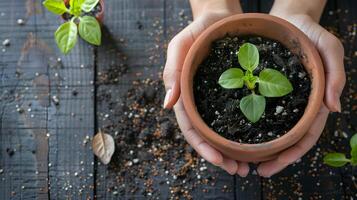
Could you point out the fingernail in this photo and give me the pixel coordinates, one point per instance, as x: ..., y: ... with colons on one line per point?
x: 338, y: 105
x: 262, y: 174
x: 167, y: 98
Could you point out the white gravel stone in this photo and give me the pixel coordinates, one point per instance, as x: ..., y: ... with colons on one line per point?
x: 6, y: 42
x: 279, y: 109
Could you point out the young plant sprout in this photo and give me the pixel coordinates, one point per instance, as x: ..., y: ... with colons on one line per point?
x: 271, y: 82
x: 88, y: 26
x: 339, y: 159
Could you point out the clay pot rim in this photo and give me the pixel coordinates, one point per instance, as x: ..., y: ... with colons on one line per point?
x: 311, y: 110
x: 99, y: 16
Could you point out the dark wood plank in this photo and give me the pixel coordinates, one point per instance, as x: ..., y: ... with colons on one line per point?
x: 250, y: 6
x: 346, y: 124
x: 23, y: 149
x: 132, y: 31
x: 71, y: 120
x: 265, y: 5
x: 47, y: 138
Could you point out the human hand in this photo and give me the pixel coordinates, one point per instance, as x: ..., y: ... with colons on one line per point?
x: 178, y: 48
x: 332, y: 54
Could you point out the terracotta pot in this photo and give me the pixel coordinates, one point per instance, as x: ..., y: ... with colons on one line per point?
x: 99, y: 16
x: 269, y: 27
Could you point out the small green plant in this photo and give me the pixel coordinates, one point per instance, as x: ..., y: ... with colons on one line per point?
x: 271, y: 82
x: 88, y: 27
x: 340, y: 159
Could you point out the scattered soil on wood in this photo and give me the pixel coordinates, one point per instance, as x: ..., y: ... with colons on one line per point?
x: 152, y: 157
x: 219, y: 107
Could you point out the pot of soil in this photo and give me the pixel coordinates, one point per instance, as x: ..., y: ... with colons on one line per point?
x: 97, y: 11
x: 221, y: 116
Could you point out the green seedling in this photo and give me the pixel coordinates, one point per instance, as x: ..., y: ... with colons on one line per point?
x: 87, y: 26
x: 271, y: 82
x: 340, y: 159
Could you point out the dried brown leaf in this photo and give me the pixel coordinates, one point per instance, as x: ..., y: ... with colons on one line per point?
x: 103, y: 146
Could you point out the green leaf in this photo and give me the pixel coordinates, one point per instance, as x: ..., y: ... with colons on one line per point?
x: 272, y: 83
x: 248, y: 56
x: 88, y: 5
x: 89, y: 30
x: 75, y: 7
x: 354, y: 156
x: 353, y: 144
x: 335, y: 159
x: 353, y: 141
x: 253, y: 107
x: 231, y: 78
x: 55, y: 6
x: 66, y: 36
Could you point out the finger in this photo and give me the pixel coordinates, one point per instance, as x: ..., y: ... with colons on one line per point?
x: 194, y: 139
x: 269, y: 168
x: 176, y: 54
x: 332, y: 54
x: 230, y: 166
x: 243, y: 169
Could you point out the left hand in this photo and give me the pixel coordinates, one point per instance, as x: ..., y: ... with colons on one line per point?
x: 332, y: 54
x: 176, y: 53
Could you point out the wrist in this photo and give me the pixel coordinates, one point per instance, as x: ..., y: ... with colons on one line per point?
x: 200, y: 7
x: 287, y: 8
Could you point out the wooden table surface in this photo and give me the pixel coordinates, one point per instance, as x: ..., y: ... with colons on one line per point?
x: 45, y: 149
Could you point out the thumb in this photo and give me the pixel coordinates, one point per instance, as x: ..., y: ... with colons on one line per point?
x: 332, y: 54
x: 176, y: 54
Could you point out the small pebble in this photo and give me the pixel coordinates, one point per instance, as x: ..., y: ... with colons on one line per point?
x: 55, y: 100
x: 20, y: 22
x: 279, y: 109
x: 135, y: 160
x: 6, y: 42
x: 301, y: 74
x: 129, y: 163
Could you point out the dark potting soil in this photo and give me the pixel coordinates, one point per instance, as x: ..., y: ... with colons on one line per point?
x: 97, y: 9
x: 219, y: 107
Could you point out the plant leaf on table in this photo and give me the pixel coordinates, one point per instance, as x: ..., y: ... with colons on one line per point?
x: 103, y: 146
x: 66, y: 36
x: 336, y: 159
x: 88, y: 5
x: 353, y: 144
x: 89, y: 30
x: 354, y: 156
x: 353, y: 141
x: 252, y: 106
x: 231, y: 78
x: 55, y: 6
x: 272, y: 83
